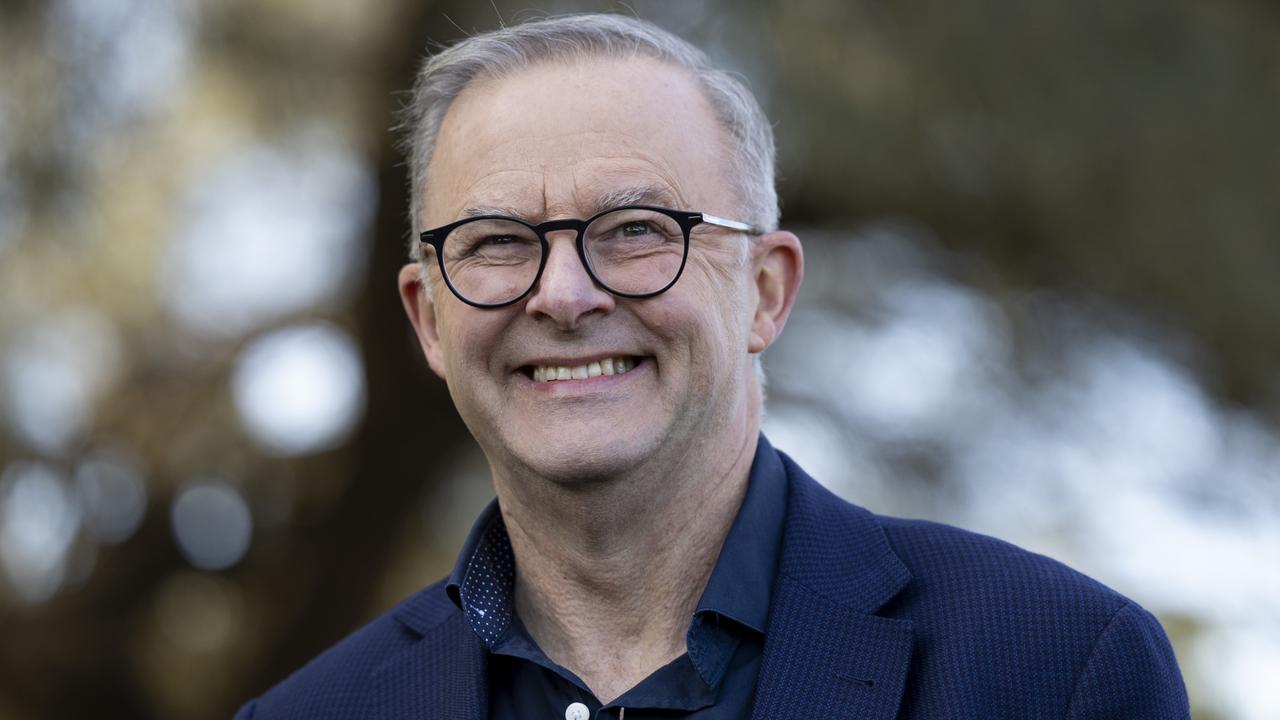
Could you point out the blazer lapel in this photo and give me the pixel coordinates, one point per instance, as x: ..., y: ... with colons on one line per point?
x: 827, y: 660
x: 826, y: 653
x: 442, y: 676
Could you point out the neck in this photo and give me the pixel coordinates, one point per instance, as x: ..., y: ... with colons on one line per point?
x: 608, y: 574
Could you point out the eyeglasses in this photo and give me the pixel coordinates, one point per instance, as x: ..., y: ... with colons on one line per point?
x: 636, y: 251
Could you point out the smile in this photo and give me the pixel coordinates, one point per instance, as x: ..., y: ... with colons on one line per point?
x: 607, y: 366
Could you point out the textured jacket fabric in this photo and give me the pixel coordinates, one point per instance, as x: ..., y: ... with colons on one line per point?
x: 872, y: 617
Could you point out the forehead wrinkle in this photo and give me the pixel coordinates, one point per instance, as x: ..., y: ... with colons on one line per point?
x: 495, y: 193
x: 617, y: 184
x: 595, y: 184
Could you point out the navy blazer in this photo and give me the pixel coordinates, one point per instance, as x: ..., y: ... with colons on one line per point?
x: 871, y: 617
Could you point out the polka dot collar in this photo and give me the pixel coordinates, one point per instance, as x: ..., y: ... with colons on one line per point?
x: 483, y: 580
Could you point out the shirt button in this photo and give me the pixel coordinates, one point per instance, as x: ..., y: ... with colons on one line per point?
x: 576, y: 711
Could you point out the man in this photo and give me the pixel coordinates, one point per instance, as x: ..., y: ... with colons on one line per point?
x: 597, y: 271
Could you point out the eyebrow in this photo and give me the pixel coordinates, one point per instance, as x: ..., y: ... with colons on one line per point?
x: 505, y: 211
x: 633, y: 195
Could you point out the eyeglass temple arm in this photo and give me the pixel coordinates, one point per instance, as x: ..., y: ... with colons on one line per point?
x: 731, y: 224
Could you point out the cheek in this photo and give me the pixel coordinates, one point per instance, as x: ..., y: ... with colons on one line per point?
x: 463, y: 340
x: 708, y: 324
x: 724, y: 307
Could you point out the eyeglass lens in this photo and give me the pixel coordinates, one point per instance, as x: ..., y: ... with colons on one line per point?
x: 631, y: 251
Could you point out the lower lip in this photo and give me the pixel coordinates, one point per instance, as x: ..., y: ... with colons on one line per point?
x: 599, y: 382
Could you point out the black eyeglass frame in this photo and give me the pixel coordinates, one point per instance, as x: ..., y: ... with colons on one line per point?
x: 687, y: 220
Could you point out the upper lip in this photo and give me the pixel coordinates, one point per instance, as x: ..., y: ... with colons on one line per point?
x: 565, y: 361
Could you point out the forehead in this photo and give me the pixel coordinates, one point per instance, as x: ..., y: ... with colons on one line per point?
x: 556, y: 138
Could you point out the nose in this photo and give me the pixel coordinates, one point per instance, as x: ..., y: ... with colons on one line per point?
x: 566, y: 293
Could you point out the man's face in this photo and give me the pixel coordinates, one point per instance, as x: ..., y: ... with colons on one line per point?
x: 563, y: 140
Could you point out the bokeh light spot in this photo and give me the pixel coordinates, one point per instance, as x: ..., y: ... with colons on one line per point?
x: 270, y: 231
x: 38, y: 522
x: 196, y: 612
x: 54, y: 372
x: 301, y: 389
x: 212, y: 524
x: 113, y: 496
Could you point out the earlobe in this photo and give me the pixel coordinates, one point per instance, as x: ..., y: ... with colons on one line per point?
x: 421, y: 309
x: 778, y: 270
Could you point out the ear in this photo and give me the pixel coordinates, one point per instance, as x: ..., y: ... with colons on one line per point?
x: 421, y: 309
x: 778, y: 269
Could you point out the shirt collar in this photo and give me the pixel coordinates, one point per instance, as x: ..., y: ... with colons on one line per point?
x: 741, y: 584
x: 740, y: 587
x: 484, y: 577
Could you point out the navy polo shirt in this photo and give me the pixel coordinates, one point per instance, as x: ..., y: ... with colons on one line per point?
x: 714, y: 680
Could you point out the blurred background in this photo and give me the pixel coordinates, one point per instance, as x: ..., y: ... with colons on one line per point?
x: 1043, y: 245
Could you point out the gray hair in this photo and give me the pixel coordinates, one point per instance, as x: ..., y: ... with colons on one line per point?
x: 570, y: 37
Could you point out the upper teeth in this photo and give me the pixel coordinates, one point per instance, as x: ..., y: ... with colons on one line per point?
x: 608, y: 366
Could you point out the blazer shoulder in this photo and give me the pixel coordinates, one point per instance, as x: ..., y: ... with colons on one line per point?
x: 968, y: 567
x: 929, y: 572
x: 338, y: 682
x: 1001, y: 628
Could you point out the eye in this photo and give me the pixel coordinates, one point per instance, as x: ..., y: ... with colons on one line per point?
x: 504, y: 248
x: 636, y: 228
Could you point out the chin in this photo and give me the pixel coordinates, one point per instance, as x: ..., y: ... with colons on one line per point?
x: 585, y: 460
